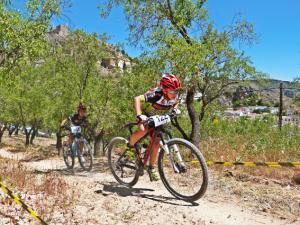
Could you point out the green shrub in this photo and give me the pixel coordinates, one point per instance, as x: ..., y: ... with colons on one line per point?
x: 248, y: 139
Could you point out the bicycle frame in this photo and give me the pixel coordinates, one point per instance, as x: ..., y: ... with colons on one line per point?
x: 158, y: 132
x: 75, y: 144
x: 155, y: 132
x: 152, y: 132
x: 78, y: 143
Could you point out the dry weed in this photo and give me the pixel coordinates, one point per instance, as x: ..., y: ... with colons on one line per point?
x: 46, y: 193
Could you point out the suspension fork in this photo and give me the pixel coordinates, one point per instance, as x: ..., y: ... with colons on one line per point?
x: 176, y: 150
x: 165, y: 147
x: 178, y: 156
x: 80, y: 144
x: 74, y: 148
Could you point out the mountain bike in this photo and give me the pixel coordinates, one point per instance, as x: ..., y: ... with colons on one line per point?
x: 181, y: 165
x: 79, y: 148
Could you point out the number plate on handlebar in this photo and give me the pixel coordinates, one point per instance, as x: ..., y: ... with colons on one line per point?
x: 160, y: 120
x: 75, y: 129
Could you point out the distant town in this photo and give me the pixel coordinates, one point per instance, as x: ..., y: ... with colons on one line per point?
x: 255, y: 112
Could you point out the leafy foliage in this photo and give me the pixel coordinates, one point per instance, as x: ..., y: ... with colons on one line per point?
x: 181, y: 37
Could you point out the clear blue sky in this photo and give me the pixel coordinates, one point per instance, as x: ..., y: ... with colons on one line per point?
x: 277, y: 24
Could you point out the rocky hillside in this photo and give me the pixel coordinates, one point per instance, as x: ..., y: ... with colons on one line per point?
x: 260, y: 92
x: 117, y: 59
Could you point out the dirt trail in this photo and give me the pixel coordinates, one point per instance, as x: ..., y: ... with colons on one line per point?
x: 103, y: 201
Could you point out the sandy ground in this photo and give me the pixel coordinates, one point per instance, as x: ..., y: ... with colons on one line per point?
x: 103, y: 201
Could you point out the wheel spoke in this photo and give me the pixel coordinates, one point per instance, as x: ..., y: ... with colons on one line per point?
x: 122, y: 162
x: 85, y: 156
x: 68, y: 158
x: 183, y: 172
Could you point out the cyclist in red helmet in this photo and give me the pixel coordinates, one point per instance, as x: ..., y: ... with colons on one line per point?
x: 155, y: 101
x: 78, y: 119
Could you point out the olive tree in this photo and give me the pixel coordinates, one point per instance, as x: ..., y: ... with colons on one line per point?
x: 180, y: 36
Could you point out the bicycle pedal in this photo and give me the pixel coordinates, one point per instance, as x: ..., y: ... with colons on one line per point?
x: 141, y: 171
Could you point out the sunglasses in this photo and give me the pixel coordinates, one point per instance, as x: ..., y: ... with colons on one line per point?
x: 173, y: 92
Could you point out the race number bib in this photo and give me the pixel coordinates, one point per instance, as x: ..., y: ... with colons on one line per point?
x: 160, y: 120
x: 75, y: 129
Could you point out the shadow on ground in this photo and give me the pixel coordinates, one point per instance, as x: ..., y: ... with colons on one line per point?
x: 142, y: 193
x: 99, y: 166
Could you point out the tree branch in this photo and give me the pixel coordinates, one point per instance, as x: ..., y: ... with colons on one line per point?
x: 177, y: 125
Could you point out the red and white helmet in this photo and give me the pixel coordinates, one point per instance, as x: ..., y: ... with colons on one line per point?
x: 170, y: 82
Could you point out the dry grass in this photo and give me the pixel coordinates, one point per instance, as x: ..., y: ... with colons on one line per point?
x: 219, y: 149
x: 46, y: 193
x: 44, y: 149
x: 222, y: 149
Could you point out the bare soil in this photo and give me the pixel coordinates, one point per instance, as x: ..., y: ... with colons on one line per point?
x: 233, y: 196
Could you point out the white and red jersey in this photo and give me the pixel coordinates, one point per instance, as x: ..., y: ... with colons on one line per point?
x: 153, y: 102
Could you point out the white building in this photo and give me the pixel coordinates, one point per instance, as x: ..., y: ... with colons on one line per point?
x: 292, y: 119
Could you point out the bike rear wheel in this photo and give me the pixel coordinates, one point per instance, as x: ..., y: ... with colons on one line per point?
x: 68, y: 156
x: 190, y: 181
x: 122, y: 162
x: 85, y: 156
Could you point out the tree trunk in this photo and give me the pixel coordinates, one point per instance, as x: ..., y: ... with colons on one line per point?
x: 59, y: 142
x: 27, y: 139
x: 99, y: 144
x: 11, y: 131
x: 195, y: 133
x: 27, y: 136
x: 179, y: 128
x: 2, y: 129
x: 1, y: 135
x: 17, y: 130
x: 202, y: 112
x: 33, y: 134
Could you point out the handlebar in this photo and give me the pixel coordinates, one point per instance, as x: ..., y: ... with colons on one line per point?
x: 152, y: 121
x: 158, y: 120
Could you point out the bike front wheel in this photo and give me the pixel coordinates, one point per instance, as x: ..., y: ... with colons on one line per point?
x: 184, y: 171
x: 85, y: 156
x: 68, y: 156
x: 122, y: 162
